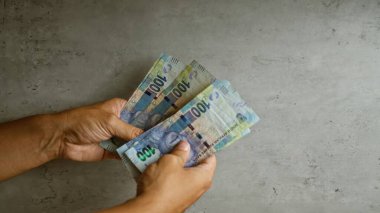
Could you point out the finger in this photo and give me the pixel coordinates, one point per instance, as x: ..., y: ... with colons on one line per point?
x: 110, y: 155
x: 93, y: 152
x: 208, y: 164
x: 84, y: 152
x: 204, y: 172
x: 123, y: 130
x: 114, y: 105
x: 182, y: 151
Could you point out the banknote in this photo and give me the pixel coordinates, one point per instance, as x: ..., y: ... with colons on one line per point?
x: 230, y: 139
x: 215, y: 113
x: 161, y: 75
x: 191, y: 81
x: 224, y: 142
x: 164, y: 70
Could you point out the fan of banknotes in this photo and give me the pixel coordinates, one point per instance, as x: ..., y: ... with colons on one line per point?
x: 176, y: 102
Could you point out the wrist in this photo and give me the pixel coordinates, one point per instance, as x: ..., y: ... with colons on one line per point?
x: 52, y: 127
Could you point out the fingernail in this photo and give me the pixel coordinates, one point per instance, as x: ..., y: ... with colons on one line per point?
x: 184, y: 146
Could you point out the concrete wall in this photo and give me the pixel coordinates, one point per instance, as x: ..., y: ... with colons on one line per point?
x: 310, y: 69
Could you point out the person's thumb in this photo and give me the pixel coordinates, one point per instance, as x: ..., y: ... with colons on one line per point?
x: 123, y: 130
x: 182, y: 151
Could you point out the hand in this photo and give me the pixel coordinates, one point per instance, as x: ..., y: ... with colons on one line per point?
x: 167, y: 180
x: 168, y: 187
x: 73, y: 134
x: 83, y: 128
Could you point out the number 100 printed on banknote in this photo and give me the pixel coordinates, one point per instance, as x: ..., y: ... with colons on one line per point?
x: 217, y: 115
x: 177, y: 102
x: 164, y: 70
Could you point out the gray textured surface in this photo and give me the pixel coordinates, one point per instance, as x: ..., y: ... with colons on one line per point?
x: 310, y: 69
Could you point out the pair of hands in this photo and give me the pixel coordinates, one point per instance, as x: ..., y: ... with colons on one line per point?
x: 162, y: 183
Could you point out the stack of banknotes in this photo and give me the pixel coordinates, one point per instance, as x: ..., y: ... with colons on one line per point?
x: 176, y: 102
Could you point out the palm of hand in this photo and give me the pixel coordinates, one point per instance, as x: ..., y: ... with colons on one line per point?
x: 87, y: 126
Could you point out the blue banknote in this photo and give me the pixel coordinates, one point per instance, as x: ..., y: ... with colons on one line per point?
x: 217, y: 114
x: 164, y: 70
x: 190, y: 82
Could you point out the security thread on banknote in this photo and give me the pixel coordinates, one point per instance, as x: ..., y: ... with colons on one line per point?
x: 217, y: 115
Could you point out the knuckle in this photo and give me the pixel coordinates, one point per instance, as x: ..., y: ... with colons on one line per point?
x: 169, y: 159
x: 147, y: 176
x: 207, y: 186
x: 207, y: 183
x: 112, y: 100
x: 110, y: 118
x: 136, y: 131
x: 110, y: 122
x: 150, y: 170
x: 115, y: 99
